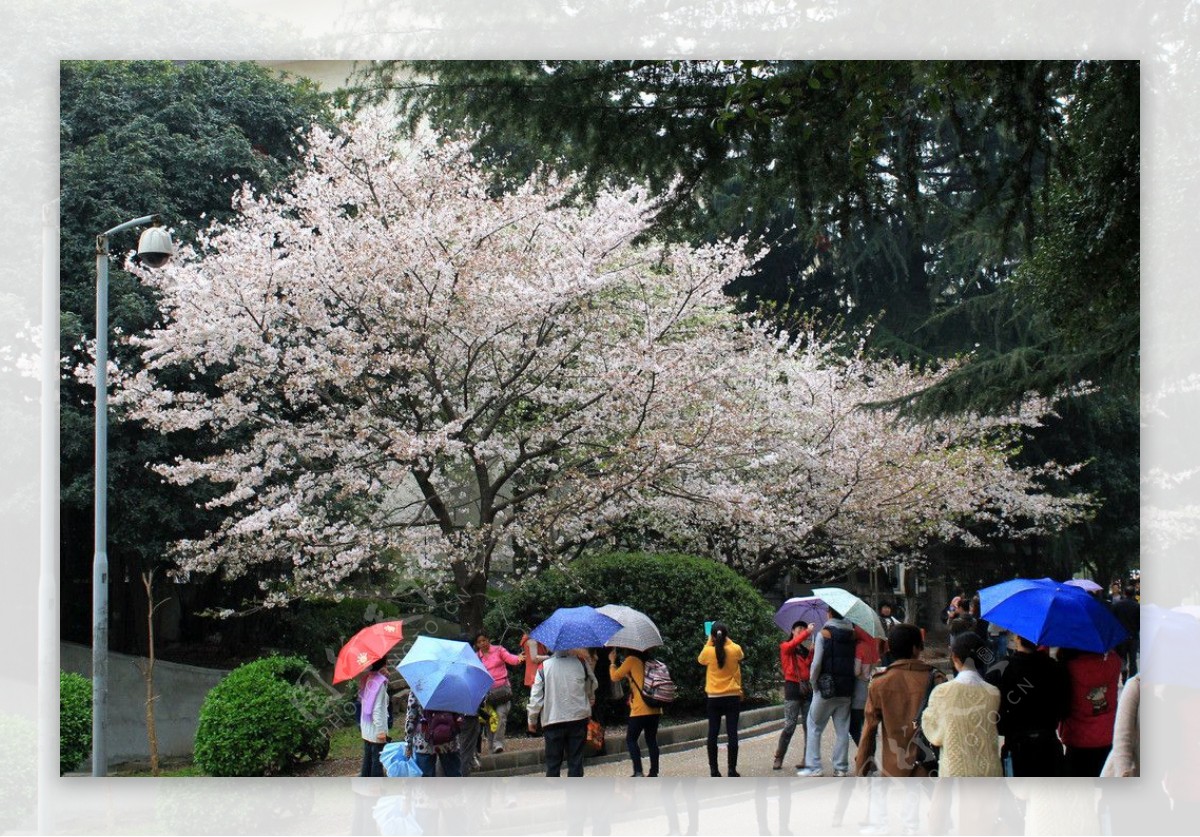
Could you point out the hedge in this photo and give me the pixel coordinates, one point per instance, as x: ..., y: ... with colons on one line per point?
x: 261, y: 720
x: 679, y: 592
x: 74, y: 720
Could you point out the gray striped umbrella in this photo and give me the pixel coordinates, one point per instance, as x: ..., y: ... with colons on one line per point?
x: 638, y: 630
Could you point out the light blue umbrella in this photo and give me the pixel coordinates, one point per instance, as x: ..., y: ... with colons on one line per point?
x: 1060, y: 615
x: 853, y: 608
x: 445, y: 675
x: 810, y: 609
x: 575, y: 627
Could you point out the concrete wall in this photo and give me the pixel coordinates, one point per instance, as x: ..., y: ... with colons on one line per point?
x: 181, y: 691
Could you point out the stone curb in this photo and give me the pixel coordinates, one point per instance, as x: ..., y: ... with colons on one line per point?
x: 670, y: 740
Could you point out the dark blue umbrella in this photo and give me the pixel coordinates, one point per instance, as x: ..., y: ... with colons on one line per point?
x: 575, y: 627
x: 446, y: 675
x: 1053, y: 614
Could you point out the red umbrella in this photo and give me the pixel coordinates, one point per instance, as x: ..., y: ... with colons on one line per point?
x: 365, y: 647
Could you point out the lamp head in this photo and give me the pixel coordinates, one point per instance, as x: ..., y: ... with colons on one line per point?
x: 155, y: 247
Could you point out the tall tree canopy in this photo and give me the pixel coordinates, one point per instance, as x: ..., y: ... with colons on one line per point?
x: 892, y: 192
x: 407, y: 372
x: 139, y: 137
x: 984, y: 209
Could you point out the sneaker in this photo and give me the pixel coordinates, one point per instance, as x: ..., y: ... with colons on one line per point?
x: 778, y: 763
x: 499, y: 748
x: 841, y: 773
x: 808, y: 771
x: 874, y: 829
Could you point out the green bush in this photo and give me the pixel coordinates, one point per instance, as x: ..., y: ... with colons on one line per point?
x: 74, y: 720
x: 679, y: 592
x: 262, y: 719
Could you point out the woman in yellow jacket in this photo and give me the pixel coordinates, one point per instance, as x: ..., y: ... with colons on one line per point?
x: 642, y: 718
x: 723, y: 685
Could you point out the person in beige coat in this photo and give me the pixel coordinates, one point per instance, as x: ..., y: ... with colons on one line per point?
x: 961, y: 715
x: 1125, y: 757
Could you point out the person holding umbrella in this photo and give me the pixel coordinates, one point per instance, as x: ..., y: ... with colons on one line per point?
x: 373, y: 719
x: 364, y: 657
x: 561, y: 703
x: 833, y: 674
x: 432, y: 736
x: 794, y: 656
x: 643, y: 719
x: 1034, y: 699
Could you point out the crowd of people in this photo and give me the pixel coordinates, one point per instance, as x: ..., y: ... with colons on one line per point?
x: 1008, y: 708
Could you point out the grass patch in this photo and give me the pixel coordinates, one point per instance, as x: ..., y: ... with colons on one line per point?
x: 346, y: 743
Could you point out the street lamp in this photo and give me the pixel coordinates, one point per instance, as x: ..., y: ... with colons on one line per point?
x: 154, y: 250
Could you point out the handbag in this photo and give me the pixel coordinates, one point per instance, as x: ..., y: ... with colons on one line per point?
x: 498, y: 695
x: 826, y: 687
x: 920, y: 753
x: 594, y: 743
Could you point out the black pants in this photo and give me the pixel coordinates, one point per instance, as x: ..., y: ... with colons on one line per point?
x: 566, y: 739
x: 728, y: 707
x: 857, y: 718
x: 1086, y: 761
x: 1037, y: 755
x: 637, y: 725
x: 371, y: 765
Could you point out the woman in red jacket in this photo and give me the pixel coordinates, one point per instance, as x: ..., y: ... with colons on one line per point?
x: 794, y: 655
x: 1087, y: 731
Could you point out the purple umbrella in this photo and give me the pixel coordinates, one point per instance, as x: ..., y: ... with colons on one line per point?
x: 1084, y: 584
x: 810, y: 609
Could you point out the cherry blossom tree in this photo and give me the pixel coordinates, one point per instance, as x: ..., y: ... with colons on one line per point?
x: 408, y: 372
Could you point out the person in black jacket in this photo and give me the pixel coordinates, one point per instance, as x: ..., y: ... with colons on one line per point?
x: 1129, y: 614
x: 1035, y: 695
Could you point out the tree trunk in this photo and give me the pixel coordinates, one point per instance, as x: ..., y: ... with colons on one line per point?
x: 148, y: 672
x: 472, y: 590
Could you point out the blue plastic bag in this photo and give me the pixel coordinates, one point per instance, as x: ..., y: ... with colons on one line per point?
x: 394, y: 762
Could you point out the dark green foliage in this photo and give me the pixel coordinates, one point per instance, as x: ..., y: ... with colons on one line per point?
x: 915, y: 184
x: 138, y: 137
x: 679, y: 592
x: 74, y: 720
x: 316, y: 630
x: 262, y: 719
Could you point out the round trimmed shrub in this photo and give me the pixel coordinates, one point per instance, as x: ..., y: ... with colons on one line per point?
x: 262, y: 719
x: 74, y: 720
x: 679, y: 592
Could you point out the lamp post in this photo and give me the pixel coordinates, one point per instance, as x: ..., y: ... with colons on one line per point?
x: 155, y: 248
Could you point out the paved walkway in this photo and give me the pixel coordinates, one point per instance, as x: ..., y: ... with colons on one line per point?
x: 756, y: 752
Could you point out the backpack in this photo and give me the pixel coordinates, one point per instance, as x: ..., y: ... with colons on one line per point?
x: 658, y: 690
x: 439, y: 727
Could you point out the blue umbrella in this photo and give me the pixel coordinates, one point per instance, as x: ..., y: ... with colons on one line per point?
x: 810, y: 609
x: 575, y: 627
x: 1052, y: 614
x: 446, y: 675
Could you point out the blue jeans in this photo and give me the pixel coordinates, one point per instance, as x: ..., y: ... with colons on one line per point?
x: 371, y: 765
x: 819, y: 714
x: 639, y: 724
x: 451, y: 763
